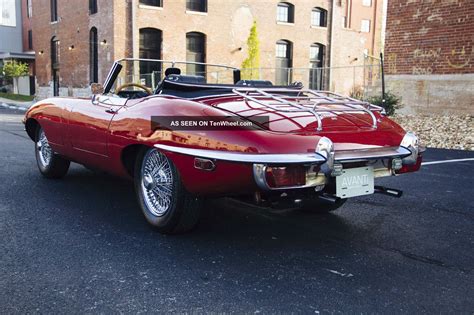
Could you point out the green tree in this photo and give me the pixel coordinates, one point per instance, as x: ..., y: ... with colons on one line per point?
x: 250, y: 66
x: 15, y: 69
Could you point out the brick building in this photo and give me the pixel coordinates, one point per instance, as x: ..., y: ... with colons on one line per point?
x: 77, y: 43
x: 429, y: 53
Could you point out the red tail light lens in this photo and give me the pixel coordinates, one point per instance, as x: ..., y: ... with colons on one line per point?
x: 285, y: 176
x: 411, y: 168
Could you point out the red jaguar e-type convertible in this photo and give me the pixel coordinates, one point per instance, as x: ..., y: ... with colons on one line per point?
x: 182, y: 138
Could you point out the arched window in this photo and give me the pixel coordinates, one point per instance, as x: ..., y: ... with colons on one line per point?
x: 150, y: 48
x: 93, y: 56
x: 285, y: 12
x: 284, y: 62
x: 316, y: 59
x: 92, y: 6
x: 154, y: 3
x: 196, y: 5
x: 319, y: 17
x: 55, y: 53
x: 196, y: 52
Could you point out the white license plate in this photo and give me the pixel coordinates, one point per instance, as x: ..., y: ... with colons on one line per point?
x: 355, y: 182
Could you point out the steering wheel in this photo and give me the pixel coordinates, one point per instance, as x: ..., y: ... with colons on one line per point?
x: 126, y: 85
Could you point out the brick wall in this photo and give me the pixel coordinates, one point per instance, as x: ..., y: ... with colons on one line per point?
x: 430, y: 37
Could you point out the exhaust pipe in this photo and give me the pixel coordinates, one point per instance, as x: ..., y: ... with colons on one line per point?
x: 329, y: 198
x: 388, y: 191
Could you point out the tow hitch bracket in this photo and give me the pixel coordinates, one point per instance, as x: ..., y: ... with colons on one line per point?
x: 388, y: 191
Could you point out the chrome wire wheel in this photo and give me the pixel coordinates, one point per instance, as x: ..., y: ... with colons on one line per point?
x: 44, y: 150
x: 156, y: 182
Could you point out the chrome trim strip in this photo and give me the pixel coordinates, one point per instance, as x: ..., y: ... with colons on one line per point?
x: 246, y: 157
x: 371, y: 154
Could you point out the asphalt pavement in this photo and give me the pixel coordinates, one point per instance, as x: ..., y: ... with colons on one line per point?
x: 81, y: 245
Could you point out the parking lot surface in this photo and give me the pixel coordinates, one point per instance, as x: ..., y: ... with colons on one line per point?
x: 80, y: 244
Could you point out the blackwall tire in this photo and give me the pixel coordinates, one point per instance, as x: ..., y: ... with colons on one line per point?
x: 49, y: 163
x: 165, y: 203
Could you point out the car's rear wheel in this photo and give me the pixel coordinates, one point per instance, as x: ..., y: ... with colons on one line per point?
x: 50, y: 164
x: 165, y: 203
x: 319, y: 206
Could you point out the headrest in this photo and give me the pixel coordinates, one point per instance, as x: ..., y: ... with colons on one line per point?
x: 186, y: 78
x: 254, y: 83
x: 169, y: 71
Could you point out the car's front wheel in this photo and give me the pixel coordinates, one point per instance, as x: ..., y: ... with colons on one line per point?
x: 49, y: 163
x: 165, y: 203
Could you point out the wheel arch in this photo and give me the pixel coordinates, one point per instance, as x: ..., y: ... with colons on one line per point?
x: 31, y: 125
x: 129, y: 157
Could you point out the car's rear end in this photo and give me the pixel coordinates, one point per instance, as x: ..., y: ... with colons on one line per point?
x: 315, y: 144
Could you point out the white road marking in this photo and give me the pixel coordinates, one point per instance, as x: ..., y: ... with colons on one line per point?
x: 347, y: 275
x: 447, y: 161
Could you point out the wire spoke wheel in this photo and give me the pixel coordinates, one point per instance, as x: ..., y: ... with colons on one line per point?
x: 157, y: 182
x: 44, y: 150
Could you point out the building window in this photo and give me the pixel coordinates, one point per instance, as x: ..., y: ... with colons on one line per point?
x: 92, y: 6
x: 153, y: 3
x: 285, y: 12
x: 318, y: 17
x: 55, y: 52
x: 30, y: 39
x: 316, y: 60
x: 150, y: 48
x: 93, y: 56
x: 365, y: 26
x: 29, y: 10
x: 196, y: 5
x: 367, y: 3
x: 196, y: 52
x: 284, y: 62
x: 55, y: 56
x: 54, y: 10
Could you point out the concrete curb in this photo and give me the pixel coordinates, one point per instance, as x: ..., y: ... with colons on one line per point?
x: 6, y: 103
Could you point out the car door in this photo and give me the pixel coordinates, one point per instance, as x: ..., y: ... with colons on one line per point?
x: 89, y: 124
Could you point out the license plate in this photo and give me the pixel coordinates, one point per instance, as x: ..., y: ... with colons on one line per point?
x: 355, y: 182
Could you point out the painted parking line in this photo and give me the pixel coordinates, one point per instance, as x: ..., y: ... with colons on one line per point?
x: 447, y: 161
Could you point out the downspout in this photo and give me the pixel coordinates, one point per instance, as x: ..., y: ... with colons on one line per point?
x: 330, y: 41
x: 134, y: 28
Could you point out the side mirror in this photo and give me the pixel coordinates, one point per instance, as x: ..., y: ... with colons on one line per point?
x: 97, y: 88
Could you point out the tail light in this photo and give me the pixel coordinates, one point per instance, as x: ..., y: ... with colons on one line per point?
x: 285, y: 176
x: 411, y: 167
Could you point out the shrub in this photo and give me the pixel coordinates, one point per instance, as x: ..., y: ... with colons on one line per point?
x: 392, y: 102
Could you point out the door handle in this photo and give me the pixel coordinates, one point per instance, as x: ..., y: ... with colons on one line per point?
x: 111, y: 110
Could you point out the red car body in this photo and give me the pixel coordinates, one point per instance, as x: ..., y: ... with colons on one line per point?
x: 106, y: 133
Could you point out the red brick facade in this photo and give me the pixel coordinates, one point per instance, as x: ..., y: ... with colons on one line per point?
x: 430, y: 37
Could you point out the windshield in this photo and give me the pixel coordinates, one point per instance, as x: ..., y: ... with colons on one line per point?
x: 150, y: 73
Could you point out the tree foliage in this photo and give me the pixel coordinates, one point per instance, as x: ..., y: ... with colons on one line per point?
x: 15, y: 69
x: 250, y: 66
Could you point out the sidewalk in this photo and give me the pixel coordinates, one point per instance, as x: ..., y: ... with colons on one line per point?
x: 4, y: 102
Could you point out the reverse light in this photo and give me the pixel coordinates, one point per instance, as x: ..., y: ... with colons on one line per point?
x: 397, y: 164
x: 337, y: 170
x: 285, y: 176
